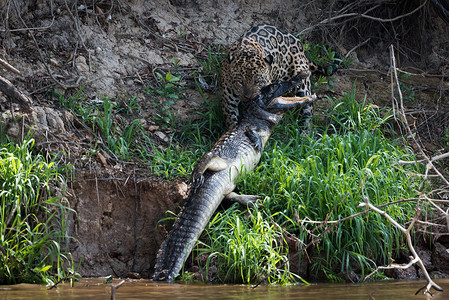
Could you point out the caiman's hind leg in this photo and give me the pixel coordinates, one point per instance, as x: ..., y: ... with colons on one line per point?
x: 246, y: 200
x: 210, y: 162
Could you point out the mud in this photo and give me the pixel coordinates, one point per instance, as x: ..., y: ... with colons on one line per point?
x: 116, y: 223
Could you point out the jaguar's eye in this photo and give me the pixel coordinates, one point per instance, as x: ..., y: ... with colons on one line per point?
x: 258, y: 81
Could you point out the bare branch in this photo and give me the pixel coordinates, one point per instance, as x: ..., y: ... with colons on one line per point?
x: 435, y: 158
x: 11, y: 91
x: 363, y: 15
x: 415, y: 258
x: 114, y: 289
x: 8, y: 67
x: 400, y: 107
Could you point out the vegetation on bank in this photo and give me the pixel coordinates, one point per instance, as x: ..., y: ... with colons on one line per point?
x: 33, y: 222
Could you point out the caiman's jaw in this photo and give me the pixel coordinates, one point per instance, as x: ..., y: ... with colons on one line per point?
x: 277, y: 89
x: 282, y: 104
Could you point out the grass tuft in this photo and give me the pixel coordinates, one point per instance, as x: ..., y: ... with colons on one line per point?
x: 246, y: 248
x: 32, y: 222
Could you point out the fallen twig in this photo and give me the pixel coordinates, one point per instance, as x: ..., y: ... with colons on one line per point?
x: 356, y: 47
x: 29, y: 28
x: 11, y: 91
x: 114, y: 288
x: 70, y: 276
x: 8, y: 67
x: 414, y: 258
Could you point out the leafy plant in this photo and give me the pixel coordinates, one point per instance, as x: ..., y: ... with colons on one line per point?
x: 129, y: 106
x: 33, y: 224
x: 326, y: 59
x: 406, y: 89
x: 247, y: 248
x: 348, y: 114
x: 169, y: 90
x: 78, y: 104
x: 211, y: 64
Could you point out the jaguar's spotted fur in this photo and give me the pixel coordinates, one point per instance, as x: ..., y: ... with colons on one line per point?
x: 263, y: 55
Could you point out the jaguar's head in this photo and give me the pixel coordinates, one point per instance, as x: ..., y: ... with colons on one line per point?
x: 250, y: 68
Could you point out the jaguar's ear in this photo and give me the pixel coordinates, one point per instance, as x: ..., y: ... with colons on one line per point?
x: 229, y: 57
x: 269, y: 59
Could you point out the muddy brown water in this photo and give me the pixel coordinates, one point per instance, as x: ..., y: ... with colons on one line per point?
x: 145, y: 289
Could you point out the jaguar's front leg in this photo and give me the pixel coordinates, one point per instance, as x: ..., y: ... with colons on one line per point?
x: 307, y: 110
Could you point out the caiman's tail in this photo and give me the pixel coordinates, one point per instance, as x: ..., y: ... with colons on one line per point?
x: 185, y: 232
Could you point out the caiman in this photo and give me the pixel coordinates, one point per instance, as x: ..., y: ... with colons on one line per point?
x: 214, y: 175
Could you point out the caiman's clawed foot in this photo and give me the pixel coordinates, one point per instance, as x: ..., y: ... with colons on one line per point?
x: 246, y: 200
x: 196, y: 181
x: 162, y: 275
x: 208, y: 162
x: 254, y: 137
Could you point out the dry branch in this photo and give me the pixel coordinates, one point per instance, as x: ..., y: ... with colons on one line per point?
x: 114, y: 289
x: 8, y: 67
x: 363, y: 15
x: 399, y: 106
x: 415, y: 258
x: 11, y: 91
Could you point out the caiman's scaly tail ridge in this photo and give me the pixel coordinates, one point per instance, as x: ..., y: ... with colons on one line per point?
x: 190, y: 223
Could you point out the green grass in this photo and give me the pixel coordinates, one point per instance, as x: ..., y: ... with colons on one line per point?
x: 33, y: 223
x: 320, y: 178
x: 246, y: 248
x: 125, y: 138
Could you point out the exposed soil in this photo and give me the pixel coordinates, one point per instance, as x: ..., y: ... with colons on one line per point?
x: 114, y: 48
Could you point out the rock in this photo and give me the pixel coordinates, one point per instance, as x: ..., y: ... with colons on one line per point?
x: 409, y: 273
x: 134, y: 275
x: 440, y: 257
x: 47, y: 119
x: 162, y: 136
x: 426, y: 257
x: 81, y: 64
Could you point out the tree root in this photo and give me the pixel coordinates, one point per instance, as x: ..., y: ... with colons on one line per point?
x: 12, y: 92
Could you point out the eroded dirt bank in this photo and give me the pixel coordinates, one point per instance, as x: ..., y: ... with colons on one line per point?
x: 116, y: 223
x: 110, y: 48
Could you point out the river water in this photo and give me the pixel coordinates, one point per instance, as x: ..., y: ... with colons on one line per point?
x: 145, y: 289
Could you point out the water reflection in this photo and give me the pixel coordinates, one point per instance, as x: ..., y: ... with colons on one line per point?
x: 145, y: 289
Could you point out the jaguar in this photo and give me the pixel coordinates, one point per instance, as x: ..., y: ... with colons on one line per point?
x: 263, y: 55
